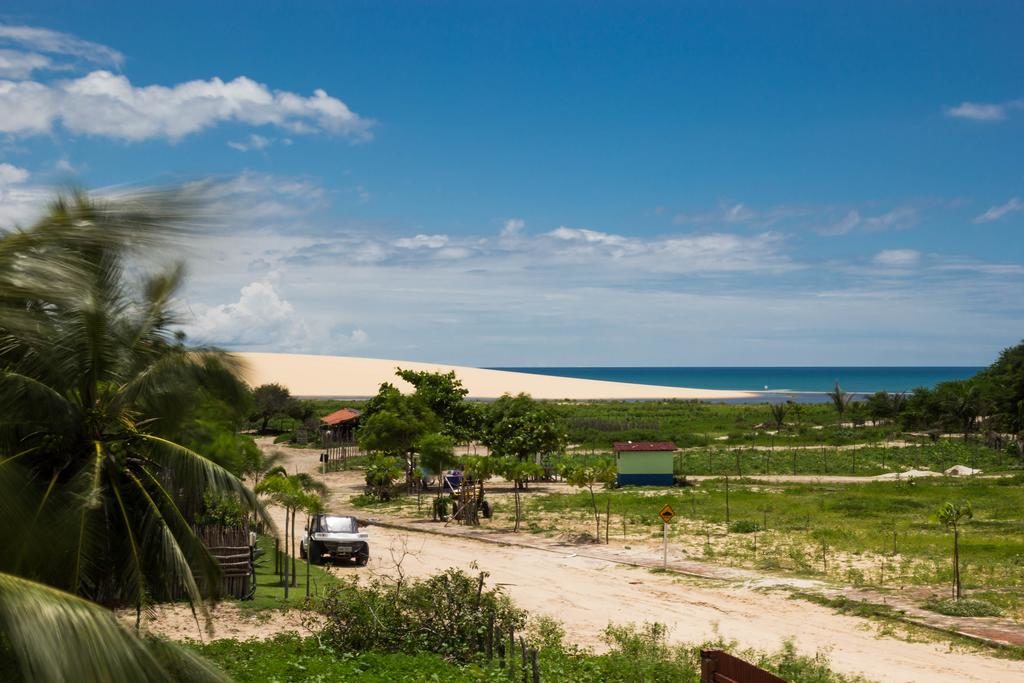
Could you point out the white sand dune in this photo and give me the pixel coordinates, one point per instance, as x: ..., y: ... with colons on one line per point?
x: 350, y: 377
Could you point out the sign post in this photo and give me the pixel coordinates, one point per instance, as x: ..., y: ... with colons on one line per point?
x: 666, y: 515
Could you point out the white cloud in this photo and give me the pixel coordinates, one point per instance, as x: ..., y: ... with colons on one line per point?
x: 897, y: 258
x: 587, y: 236
x: 844, y: 225
x: 545, y: 299
x: 263, y: 318
x: 725, y: 213
x: 422, y: 242
x: 54, y: 42
x: 12, y: 175
x: 512, y: 228
x: 253, y: 142
x: 109, y: 105
x: 896, y: 219
x: 984, y: 111
x: 997, y: 212
x: 65, y: 166
x: 15, y: 64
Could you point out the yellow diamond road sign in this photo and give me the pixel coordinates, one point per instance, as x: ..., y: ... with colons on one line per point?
x: 666, y: 514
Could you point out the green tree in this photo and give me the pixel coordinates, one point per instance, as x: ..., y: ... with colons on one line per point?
x: 93, y: 378
x: 95, y: 386
x: 840, y: 401
x: 270, y: 401
x: 520, y: 427
x: 381, y: 473
x: 55, y: 636
x: 518, y: 472
x: 395, y: 426
x: 778, y: 411
x: 444, y: 394
x: 437, y: 453
x: 295, y: 493
x: 588, y: 475
x: 953, y: 516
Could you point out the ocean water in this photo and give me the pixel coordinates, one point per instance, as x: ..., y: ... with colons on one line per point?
x: 793, y: 380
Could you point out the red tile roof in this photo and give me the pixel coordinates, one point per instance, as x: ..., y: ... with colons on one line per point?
x: 339, y: 416
x: 622, y: 446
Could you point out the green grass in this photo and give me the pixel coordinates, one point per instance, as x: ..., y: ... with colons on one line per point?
x: 636, y: 655
x: 288, y: 658
x: 867, y: 461
x: 862, y: 521
x: 968, y: 607
x: 270, y: 587
x: 693, y: 423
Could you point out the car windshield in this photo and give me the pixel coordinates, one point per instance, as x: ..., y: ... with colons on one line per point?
x: 338, y: 524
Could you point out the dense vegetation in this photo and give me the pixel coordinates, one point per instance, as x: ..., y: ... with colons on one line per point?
x: 434, y: 629
x: 106, y: 410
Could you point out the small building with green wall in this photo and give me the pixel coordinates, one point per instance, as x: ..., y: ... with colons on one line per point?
x: 644, y: 463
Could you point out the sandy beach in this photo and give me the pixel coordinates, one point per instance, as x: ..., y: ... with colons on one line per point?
x: 352, y: 377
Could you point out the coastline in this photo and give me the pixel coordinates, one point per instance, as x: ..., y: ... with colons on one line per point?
x: 354, y: 377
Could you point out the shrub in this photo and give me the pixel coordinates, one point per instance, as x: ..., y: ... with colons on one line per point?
x: 966, y: 607
x: 448, y: 614
x: 744, y: 526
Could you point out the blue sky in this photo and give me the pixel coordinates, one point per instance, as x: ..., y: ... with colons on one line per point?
x: 554, y: 183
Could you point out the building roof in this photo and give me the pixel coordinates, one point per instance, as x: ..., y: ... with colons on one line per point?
x: 339, y: 416
x: 625, y: 446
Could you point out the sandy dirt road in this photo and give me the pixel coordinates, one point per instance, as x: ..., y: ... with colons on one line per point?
x: 587, y: 594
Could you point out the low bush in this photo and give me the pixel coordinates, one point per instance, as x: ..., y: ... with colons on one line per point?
x: 965, y: 607
x: 448, y: 614
x: 744, y: 526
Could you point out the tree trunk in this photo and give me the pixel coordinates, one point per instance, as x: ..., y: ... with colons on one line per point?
x: 295, y: 580
x: 286, y: 578
x: 516, y: 491
x: 956, y: 563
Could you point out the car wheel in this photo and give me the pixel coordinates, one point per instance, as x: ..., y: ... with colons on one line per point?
x: 302, y: 550
x: 363, y: 557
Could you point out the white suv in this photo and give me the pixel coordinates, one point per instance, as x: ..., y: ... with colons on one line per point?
x: 337, y: 536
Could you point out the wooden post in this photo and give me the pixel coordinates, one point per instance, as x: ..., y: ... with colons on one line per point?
x: 534, y: 667
x: 500, y: 641
x: 727, y: 516
x: 490, y: 637
x: 512, y: 650
x: 607, y: 517
x: 522, y: 649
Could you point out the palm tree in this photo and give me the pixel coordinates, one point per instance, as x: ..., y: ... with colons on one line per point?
x: 952, y: 515
x: 294, y: 493
x: 778, y: 411
x: 95, y: 383
x: 56, y: 636
x: 840, y: 401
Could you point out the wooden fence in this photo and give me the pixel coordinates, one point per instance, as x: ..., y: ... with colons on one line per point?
x: 230, y: 547
x: 721, y: 667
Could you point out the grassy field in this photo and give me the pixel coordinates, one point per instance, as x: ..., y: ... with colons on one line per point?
x: 868, y: 460
x: 880, y: 534
x: 270, y: 587
x: 637, y: 654
x: 691, y: 423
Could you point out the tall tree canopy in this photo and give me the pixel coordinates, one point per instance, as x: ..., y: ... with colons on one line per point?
x: 96, y: 385
x: 522, y: 428
x: 444, y: 394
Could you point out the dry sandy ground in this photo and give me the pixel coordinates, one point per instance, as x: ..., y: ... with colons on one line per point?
x: 350, y: 377
x: 587, y: 594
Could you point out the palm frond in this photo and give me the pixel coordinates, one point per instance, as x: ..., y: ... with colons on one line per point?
x: 55, y: 636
